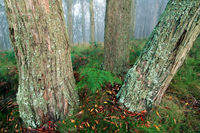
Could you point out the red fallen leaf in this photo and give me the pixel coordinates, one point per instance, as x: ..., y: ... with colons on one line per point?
x: 97, y: 121
x: 82, y: 123
x: 93, y: 127
x: 115, y: 108
x: 40, y: 129
x: 114, y: 117
x: 167, y: 108
x: 132, y: 114
x: 100, y: 108
x: 141, y: 118
x: 120, y: 124
x: 148, y: 124
x: 136, y: 131
x: 50, y: 122
x: 119, y: 108
x: 92, y: 110
x: 122, y: 117
x: 105, y: 128
x: 117, y: 130
x: 144, y: 111
x: 81, y: 127
x: 81, y: 112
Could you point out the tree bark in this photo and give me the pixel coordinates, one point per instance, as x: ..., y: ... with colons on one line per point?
x: 46, y: 82
x: 83, y: 20
x: 116, y: 52
x: 92, y: 26
x: 165, y: 51
x: 70, y: 20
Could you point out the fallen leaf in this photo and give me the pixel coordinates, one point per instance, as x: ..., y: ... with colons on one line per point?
x: 81, y: 112
x: 148, y: 124
x: 93, y: 127
x: 157, y: 127
x: 158, y: 114
x: 81, y: 127
x: 109, y: 92
x: 72, y: 121
x: 97, y: 122
x: 174, y: 120
x: 88, y: 124
x: 105, y: 128
x: 114, y: 117
x: 117, y: 130
x: 92, y: 110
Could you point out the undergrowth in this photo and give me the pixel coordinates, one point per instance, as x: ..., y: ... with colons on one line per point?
x: 99, y: 110
x: 92, y: 74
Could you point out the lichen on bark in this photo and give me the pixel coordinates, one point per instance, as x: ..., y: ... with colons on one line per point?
x: 39, y: 38
x: 165, y: 51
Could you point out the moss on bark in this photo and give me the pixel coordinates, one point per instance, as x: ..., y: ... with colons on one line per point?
x: 46, y: 83
x: 165, y: 51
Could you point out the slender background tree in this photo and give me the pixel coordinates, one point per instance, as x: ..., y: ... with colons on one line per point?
x: 70, y: 20
x: 83, y: 20
x: 92, y: 29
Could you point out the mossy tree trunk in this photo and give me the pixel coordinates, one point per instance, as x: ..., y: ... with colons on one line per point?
x: 92, y: 26
x: 117, y: 28
x: 70, y: 20
x: 46, y: 82
x: 164, y: 53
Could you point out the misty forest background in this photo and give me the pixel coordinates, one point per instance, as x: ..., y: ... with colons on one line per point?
x: 147, y: 16
x: 99, y: 111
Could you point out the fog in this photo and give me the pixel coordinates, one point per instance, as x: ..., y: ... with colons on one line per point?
x: 147, y: 15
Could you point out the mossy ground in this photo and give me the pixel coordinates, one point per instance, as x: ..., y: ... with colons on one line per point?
x: 179, y: 110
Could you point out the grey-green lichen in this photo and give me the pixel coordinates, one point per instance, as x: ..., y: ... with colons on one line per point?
x: 163, y: 54
x: 40, y: 42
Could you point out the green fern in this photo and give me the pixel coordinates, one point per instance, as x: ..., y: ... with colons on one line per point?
x: 95, y: 79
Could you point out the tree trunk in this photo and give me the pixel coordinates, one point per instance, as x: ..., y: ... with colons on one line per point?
x: 83, y: 20
x: 46, y: 83
x: 164, y: 53
x: 70, y: 20
x: 116, y: 52
x: 133, y: 19
x: 92, y: 28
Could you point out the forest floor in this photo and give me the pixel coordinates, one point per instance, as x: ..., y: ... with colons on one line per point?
x: 99, y: 110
